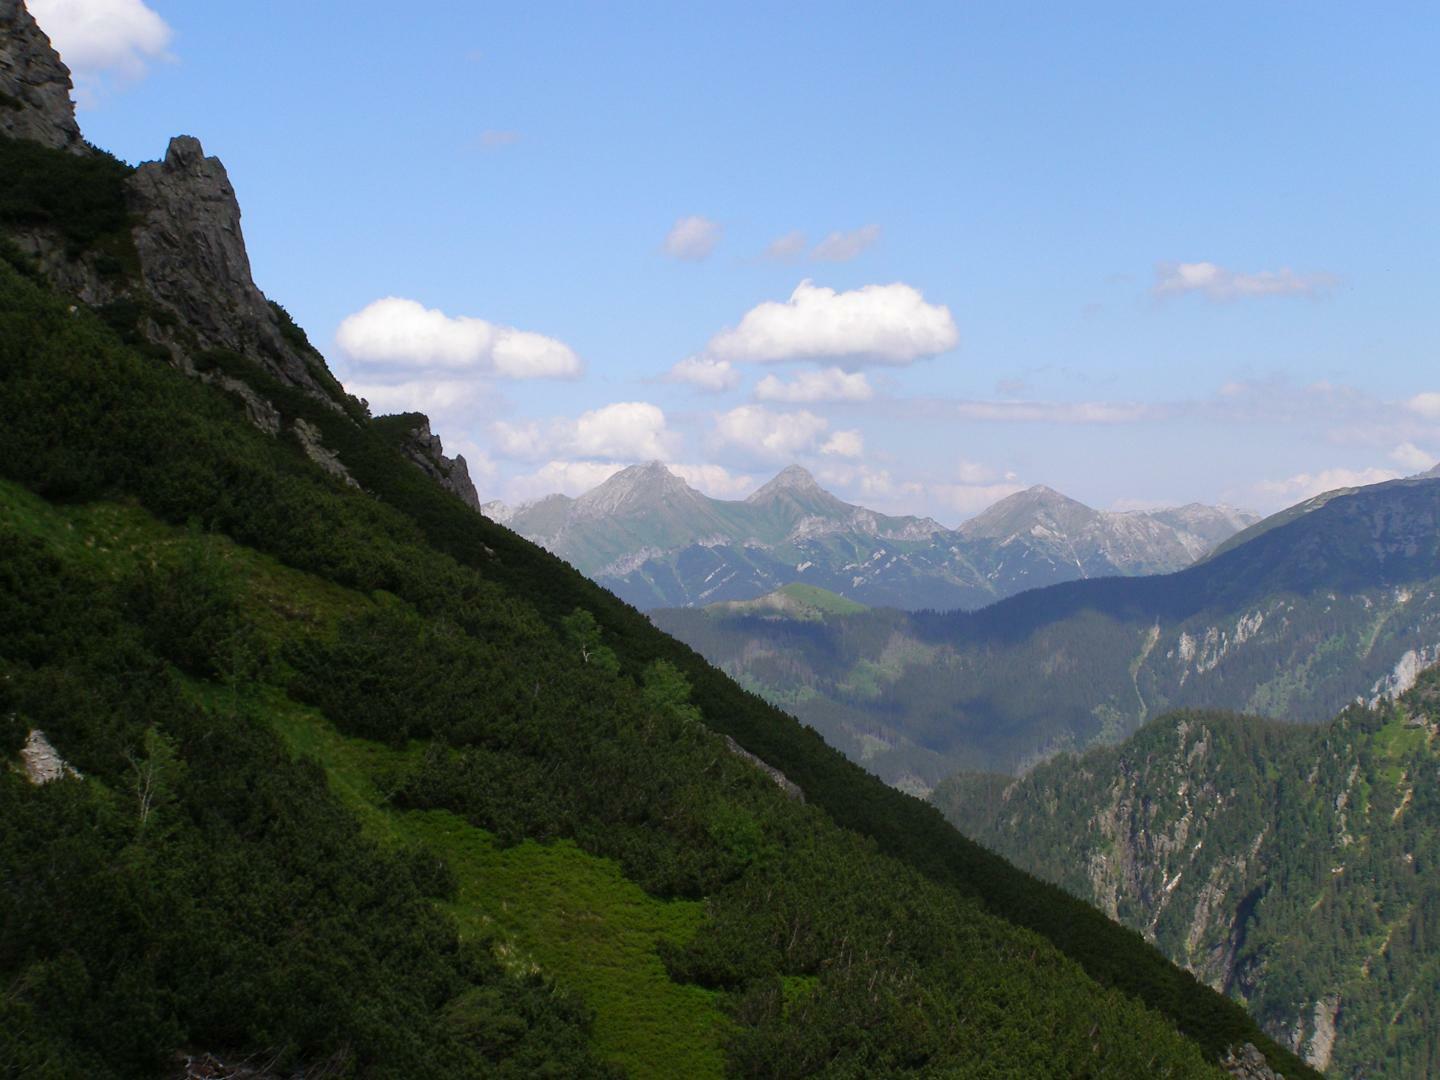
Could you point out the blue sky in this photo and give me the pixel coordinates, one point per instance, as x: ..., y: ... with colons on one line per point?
x: 1146, y: 254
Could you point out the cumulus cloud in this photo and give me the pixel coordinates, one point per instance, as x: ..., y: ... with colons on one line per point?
x: 847, y: 444
x: 103, y: 40
x: 715, y: 480
x: 844, y: 246
x: 1426, y: 405
x: 623, y: 431
x: 790, y: 246
x: 402, y: 333
x: 866, y: 482
x: 970, y: 499
x: 692, y: 238
x: 1409, y: 456
x: 1303, y: 486
x: 827, y: 384
x: 882, y: 324
x: 427, y: 396
x: 1217, y: 283
x: 706, y: 373
x: 760, y: 432
x: 560, y: 477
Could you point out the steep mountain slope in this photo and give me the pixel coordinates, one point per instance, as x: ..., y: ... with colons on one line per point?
x: 314, y: 768
x: 656, y: 542
x: 1320, y: 607
x: 1297, y: 869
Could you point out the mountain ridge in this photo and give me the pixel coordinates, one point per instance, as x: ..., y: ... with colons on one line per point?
x: 1314, y: 610
x: 1236, y: 843
x: 688, y: 549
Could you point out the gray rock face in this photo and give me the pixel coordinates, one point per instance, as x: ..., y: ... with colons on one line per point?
x: 34, y: 84
x: 1248, y: 1063
x: 193, y: 261
x: 42, y: 762
x: 425, y: 449
x: 783, y: 782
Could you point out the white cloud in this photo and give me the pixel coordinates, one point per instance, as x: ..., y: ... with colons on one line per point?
x: 760, y: 432
x: 623, y: 431
x: 103, y: 39
x: 1426, y: 405
x: 865, y: 482
x: 790, y: 246
x: 970, y: 499
x: 715, y: 480
x: 848, y: 444
x: 844, y: 246
x: 828, y: 384
x: 404, y: 333
x: 707, y: 374
x: 1409, y: 456
x: 884, y: 324
x: 427, y: 396
x: 560, y: 477
x: 1307, y: 485
x: 1218, y: 283
x: 692, y: 238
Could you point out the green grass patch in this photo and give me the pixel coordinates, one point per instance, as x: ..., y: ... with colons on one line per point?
x: 573, y: 915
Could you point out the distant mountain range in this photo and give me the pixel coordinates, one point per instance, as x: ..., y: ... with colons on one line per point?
x: 653, y: 540
x: 1336, y: 599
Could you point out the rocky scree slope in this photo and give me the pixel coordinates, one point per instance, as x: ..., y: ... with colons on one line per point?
x: 1296, y: 869
x: 446, y: 687
x: 1323, y: 607
x: 656, y: 542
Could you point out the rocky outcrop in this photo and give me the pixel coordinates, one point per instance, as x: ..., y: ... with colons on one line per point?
x: 308, y: 435
x: 34, y: 84
x: 42, y: 762
x: 424, y: 448
x: 193, y: 261
x: 783, y: 782
x: 1248, y: 1063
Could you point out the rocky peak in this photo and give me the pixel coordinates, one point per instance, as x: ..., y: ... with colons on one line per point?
x: 635, y: 488
x: 1025, y: 510
x: 793, y: 479
x: 193, y: 261
x: 34, y: 84
x: 424, y: 448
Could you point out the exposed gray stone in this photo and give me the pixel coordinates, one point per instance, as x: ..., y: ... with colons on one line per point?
x: 1248, y: 1063
x: 193, y: 261
x: 425, y: 449
x: 785, y: 784
x: 42, y: 762
x: 34, y: 84
x: 308, y: 436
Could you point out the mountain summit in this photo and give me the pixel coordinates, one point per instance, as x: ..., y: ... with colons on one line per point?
x: 658, y: 542
x: 791, y: 480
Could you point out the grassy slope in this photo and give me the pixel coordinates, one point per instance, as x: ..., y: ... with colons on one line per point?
x: 101, y: 423
x: 569, y: 914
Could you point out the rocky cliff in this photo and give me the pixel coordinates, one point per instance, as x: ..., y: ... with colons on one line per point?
x: 1292, y: 868
x: 168, y: 263
x: 34, y: 85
